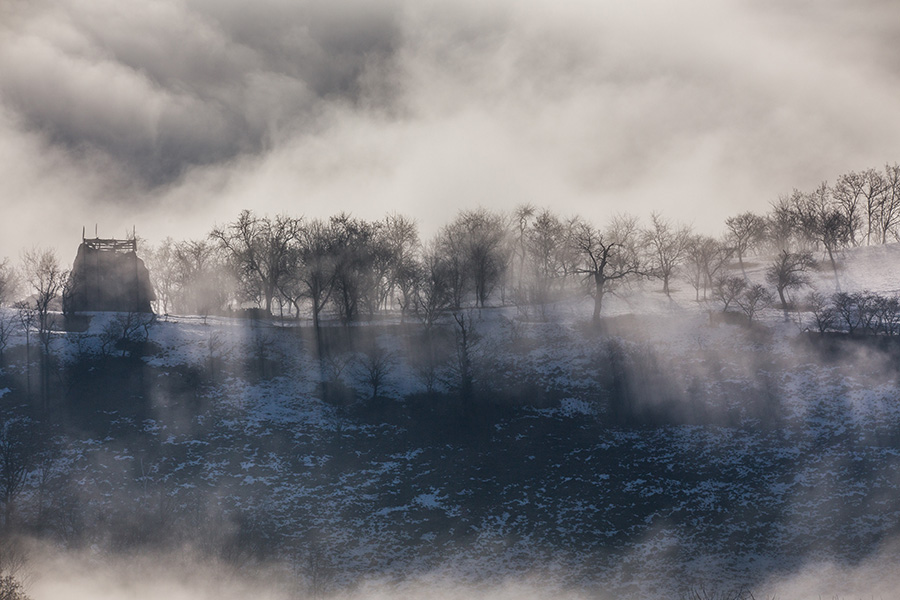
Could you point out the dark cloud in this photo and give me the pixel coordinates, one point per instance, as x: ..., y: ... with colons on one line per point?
x: 163, y: 86
x: 181, y: 112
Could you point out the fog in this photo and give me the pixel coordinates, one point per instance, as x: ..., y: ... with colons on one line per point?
x: 171, y: 115
x: 225, y: 458
x: 182, y: 576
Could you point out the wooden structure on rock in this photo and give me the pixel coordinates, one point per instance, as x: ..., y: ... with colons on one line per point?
x: 108, y: 276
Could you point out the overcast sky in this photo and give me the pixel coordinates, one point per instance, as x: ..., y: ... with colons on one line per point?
x: 173, y: 115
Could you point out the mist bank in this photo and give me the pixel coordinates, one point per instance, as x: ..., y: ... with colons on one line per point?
x: 180, y: 576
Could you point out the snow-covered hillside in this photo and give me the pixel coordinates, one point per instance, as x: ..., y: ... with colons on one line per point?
x: 650, y: 455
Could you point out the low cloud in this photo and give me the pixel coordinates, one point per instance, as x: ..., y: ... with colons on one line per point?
x: 177, y: 114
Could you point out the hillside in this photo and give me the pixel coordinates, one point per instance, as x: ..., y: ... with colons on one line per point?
x: 646, y: 457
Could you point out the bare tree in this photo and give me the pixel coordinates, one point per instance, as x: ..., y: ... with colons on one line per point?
x: 782, y: 225
x: 666, y: 247
x: 845, y: 309
x: 126, y: 331
x: 356, y: 271
x: 400, y: 237
x: 874, y: 187
x: 7, y: 327
x: 291, y: 287
x: 521, y: 216
x: 9, y: 281
x: 375, y: 366
x: 203, y: 286
x: 826, y: 222
x: 694, y: 266
x: 789, y: 271
x: 17, y: 450
x: 745, y: 231
x: 479, y: 236
x: 434, y: 293
x: 546, y: 253
x: 887, y: 310
x: 889, y: 208
x: 317, y: 247
x: 607, y: 257
x: 466, y: 341
x: 705, y: 260
x: 27, y: 318
x: 45, y: 278
x: 259, y: 248
x: 13, y: 561
x: 728, y: 290
x: 806, y: 208
x: 333, y: 364
x: 867, y: 307
x: 163, y: 264
x: 392, y: 251
x: 449, y: 246
x: 848, y: 193
x: 11, y: 588
x: 428, y: 360
x: 823, y: 311
x: 753, y: 299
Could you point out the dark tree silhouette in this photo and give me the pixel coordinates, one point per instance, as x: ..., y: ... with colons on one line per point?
x: 666, y: 247
x: 848, y: 193
x: 17, y: 451
x: 434, y: 287
x: 606, y: 257
x: 317, y: 247
x: 9, y: 281
x: 162, y: 262
x: 728, y: 290
x: 202, y: 282
x: 822, y: 310
x: 375, y: 366
x: 355, y: 258
x: 781, y: 225
x: 547, y: 253
x: 790, y: 270
x: 466, y: 341
x: 745, y: 231
x: 400, y: 238
x: 475, y: 243
x: 754, y: 298
x: 259, y: 248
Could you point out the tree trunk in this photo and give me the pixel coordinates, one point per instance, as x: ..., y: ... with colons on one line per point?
x: 598, y: 297
x: 269, y: 294
x: 784, y: 304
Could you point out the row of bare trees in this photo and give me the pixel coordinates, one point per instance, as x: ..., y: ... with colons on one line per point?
x: 863, y: 312
x: 353, y: 269
x: 350, y: 268
x: 860, y: 208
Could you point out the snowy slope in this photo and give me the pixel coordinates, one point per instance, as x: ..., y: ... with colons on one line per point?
x: 749, y: 456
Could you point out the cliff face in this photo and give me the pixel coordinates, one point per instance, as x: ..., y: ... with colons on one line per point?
x: 109, y: 280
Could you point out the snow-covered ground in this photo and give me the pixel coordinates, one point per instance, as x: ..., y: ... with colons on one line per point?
x: 746, y: 455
